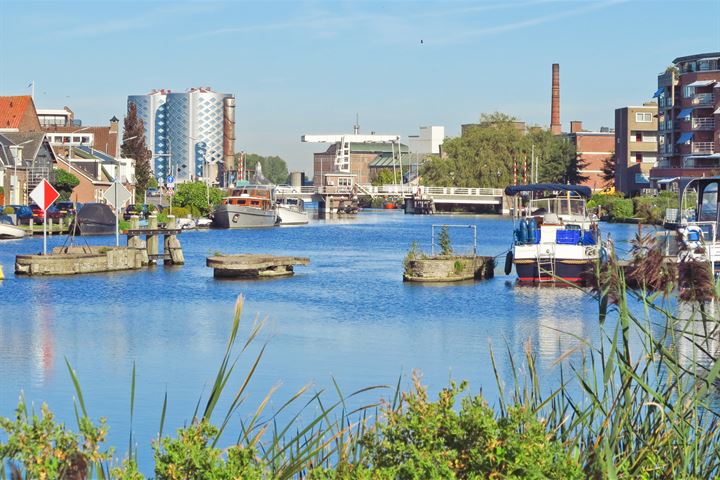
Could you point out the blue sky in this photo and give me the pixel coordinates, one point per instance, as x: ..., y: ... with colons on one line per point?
x: 310, y: 66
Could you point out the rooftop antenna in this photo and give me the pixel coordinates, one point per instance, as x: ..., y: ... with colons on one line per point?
x: 356, y: 127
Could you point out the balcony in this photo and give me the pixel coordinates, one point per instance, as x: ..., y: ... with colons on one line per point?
x: 701, y: 99
x: 701, y: 163
x: 703, y: 147
x: 704, y: 123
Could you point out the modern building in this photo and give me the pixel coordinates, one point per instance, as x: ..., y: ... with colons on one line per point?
x: 189, y: 133
x: 592, y: 149
x: 428, y: 141
x: 688, y: 108
x: 60, y: 117
x: 636, y: 146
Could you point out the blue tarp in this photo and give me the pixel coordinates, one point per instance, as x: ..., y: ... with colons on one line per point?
x: 685, y: 137
x: 549, y: 187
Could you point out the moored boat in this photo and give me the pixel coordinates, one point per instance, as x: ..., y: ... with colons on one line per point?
x: 554, y: 238
x: 246, y: 207
x: 95, y: 219
x: 291, y: 211
x: 8, y: 230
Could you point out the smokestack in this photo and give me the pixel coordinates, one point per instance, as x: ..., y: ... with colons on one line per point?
x: 555, y: 126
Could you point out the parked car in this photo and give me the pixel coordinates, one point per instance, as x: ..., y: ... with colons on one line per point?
x: 152, y: 192
x: 140, y: 210
x: 39, y: 216
x: 23, y: 213
x: 68, y: 208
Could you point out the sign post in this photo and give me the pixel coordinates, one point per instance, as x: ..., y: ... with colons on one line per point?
x: 44, y: 195
x: 116, y: 196
x: 170, y: 183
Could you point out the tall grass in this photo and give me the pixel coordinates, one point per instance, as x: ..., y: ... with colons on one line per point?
x: 638, y: 403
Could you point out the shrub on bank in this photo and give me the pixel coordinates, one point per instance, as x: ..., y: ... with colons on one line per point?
x: 621, y: 210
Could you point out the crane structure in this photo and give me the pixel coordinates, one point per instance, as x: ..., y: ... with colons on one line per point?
x: 343, y: 141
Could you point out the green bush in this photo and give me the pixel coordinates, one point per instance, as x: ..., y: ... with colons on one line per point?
x: 621, y: 209
x: 603, y: 200
x: 436, y: 440
x: 180, y: 212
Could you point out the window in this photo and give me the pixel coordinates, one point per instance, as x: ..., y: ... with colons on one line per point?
x: 638, y: 137
x: 643, y: 117
x: 688, y: 92
x: 638, y: 157
x: 708, y: 205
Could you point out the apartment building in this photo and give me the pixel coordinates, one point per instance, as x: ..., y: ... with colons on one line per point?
x: 688, y: 106
x: 636, y: 147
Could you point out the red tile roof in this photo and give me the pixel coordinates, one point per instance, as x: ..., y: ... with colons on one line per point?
x: 12, y: 110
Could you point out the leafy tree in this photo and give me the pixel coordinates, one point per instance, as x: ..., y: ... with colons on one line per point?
x: 194, y: 195
x: 386, y: 177
x: 64, y: 182
x: 134, y: 147
x: 274, y: 168
x: 608, y: 171
x: 484, y: 156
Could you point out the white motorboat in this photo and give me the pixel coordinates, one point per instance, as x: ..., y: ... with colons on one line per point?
x: 554, y: 239
x: 291, y: 211
x: 8, y: 230
x: 247, y: 206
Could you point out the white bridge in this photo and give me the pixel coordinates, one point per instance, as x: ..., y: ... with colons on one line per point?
x: 439, y: 195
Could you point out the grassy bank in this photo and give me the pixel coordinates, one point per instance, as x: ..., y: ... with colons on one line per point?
x: 617, y: 412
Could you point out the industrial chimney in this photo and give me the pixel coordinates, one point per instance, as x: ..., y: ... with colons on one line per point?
x: 555, y: 126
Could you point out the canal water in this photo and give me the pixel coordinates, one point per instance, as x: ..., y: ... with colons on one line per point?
x: 347, y: 316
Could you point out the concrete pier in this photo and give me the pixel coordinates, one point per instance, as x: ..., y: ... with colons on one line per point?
x: 449, y: 268
x: 253, y: 266
x: 76, y: 260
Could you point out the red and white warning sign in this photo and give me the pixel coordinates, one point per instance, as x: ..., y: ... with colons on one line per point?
x: 44, y: 194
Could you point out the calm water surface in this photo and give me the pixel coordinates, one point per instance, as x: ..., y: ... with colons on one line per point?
x: 347, y: 316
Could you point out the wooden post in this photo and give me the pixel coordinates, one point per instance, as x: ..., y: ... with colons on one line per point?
x: 50, y: 225
x: 151, y: 238
x: 60, y: 222
x: 134, y: 240
x: 173, y: 250
x: 32, y: 227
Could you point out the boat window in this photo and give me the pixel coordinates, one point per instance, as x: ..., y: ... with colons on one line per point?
x: 709, y: 203
x: 255, y: 202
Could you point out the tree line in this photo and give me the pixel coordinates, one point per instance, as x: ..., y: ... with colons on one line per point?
x: 485, y: 155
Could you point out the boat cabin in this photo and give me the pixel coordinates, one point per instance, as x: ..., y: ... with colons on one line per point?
x: 256, y: 196
x: 552, y: 215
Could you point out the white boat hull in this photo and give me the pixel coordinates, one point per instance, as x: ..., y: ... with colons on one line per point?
x: 290, y: 216
x: 237, y: 216
x: 9, y: 232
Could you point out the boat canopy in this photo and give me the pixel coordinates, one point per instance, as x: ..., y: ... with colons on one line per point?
x: 545, y: 187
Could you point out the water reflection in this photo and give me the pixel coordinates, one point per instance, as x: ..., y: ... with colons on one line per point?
x: 697, y: 334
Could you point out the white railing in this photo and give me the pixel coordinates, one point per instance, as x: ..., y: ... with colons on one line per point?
x: 703, y: 99
x: 703, y: 147
x: 397, y: 190
x: 704, y: 123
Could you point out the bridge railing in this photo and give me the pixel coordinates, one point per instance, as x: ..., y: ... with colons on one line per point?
x: 399, y: 190
x: 424, y: 190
